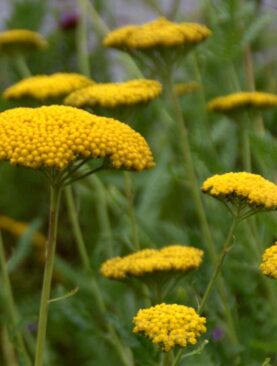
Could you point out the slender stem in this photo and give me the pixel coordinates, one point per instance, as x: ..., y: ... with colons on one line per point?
x: 11, y: 307
x: 130, y: 198
x: 219, y: 265
x: 21, y: 66
x: 73, y: 216
x: 83, y: 56
x: 246, y: 153
x: 48, y: 272
x: 166, y: 359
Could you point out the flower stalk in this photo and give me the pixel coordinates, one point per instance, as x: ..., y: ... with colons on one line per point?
x: 55, y: 192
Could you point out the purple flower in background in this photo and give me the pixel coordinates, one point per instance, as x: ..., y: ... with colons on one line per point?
x: 32, y: 327
x: 69, y: 20
x: 217, y: 334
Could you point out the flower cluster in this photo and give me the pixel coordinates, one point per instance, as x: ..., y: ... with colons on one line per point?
x: 55, y: 136
x: 111, y: 95
x: 41, y: 87
x: 18, y: 228
x: 186, y: 88
x: 170, y: 325
x: 21, y: 40
x: 157, y: 33
x: 269, y: 264
x: 237, y: 101
x: 172, y: 258
x: 252, y: 189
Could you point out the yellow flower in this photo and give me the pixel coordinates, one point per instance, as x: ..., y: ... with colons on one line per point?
x: 111, y: 95
x: 170, y: 325
x: 41, y: 87
x: 18, y: 228
x: 21, y: 40
x: 269, y: 264
x: 186, y: 88
x: 247, y: 188
x: 240, y: 100
x: 157, y: 33
x: 171, y: 258
x: 56, y: 136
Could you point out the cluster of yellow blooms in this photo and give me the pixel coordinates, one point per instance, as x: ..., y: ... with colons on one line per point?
x: 250, y: 188
x: 55, y: 136
x: 269, y: 264
x: 18, y: 228
x: 186, y: 88
x: 170, y: 325
x: 172, y: 258
x: 157, y: 33
x: 21, y: 39
x: 240, y: 100
x: 111, y: 95
x: 41, y: 87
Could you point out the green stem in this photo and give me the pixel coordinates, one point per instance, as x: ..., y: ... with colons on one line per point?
x: 246, y: 152
x: 22, y: 67
x: 81, y: 41
x: 130, y: 199
x: 48, y: 273
x: 73, y: 216
x: 219, y: 265
x: 11, y: 307
x: 166, y: 358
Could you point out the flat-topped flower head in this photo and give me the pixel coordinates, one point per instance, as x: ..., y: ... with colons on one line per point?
x: 159, y: 33
x: 269, y: 263
x: 174, y: 258
x: 170, y: 325
x: 243, y: 189
x: 21, y: 40
x: 56, y: 136
x: 112, y: 95
x: 42, y: 87
x: 186, y: 88
x: 242, y: 101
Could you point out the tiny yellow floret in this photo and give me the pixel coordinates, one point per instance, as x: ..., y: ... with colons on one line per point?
x: 157, y: 33
x: 269, y: 264
x: 42, y: 87
x: 170, y: 326
x: 111, y: 95
x: 242, y: 100
x: 172, y: 258
x: 55, y: 136
x: 21, y: 40
x: 252, y: 189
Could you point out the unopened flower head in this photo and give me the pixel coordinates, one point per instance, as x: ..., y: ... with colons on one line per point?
x: 269, y: 264
x: 42, y: 87
x: 112, y: 95
x: 21, y: 40
x: 170, y: 326
x: 186, y: 88
x: 18, y: 228
x: 174, y: 258
x: 242, y: 100
x: 56, y: 136
x: 159, y: 33
x: 243, y: 188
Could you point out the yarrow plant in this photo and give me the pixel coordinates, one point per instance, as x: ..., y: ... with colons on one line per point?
x: 57, y: 140
x: 170, y: 259
x: 44, y: 87
x: 21, y: 40
x: 268, y: 266
x: 113, y: 95
x: 170, y: 325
